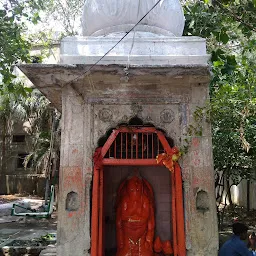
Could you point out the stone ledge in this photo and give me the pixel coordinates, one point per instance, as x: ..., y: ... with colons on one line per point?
x: 51, y: 79
x: 141, y: 51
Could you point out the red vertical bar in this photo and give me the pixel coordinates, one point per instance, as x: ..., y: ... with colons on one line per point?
x: 152, y: 145
x: 121, y: 145
x: 174, y: 225
x: 126, y: 143
x: 177, y: 204
x: 147, y: 145
x: 95, y: 213
x: 115, y: 149
x: 131, y: 145
x: 158, y: 151
x: 180, y: 211
x: 101, y: 214
x: 137, y: 144
x: 142, y: 146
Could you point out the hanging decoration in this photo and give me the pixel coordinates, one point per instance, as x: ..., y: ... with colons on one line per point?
x: 168, y: 159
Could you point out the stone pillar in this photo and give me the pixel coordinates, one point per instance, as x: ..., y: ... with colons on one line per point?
x: 199, y: 191
x: 75, y: 177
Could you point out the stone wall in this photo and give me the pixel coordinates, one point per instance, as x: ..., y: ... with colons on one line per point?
x: 14, y: 177
x: 166, y: 101
x: 239, y: 194
x: 32, y: 184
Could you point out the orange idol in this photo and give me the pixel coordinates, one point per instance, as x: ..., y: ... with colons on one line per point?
x: 135, y: 220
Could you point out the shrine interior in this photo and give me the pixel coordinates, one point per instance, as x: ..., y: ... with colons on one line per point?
x: 160, y: 179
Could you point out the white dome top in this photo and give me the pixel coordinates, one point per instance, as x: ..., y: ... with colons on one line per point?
x: 102, y: 17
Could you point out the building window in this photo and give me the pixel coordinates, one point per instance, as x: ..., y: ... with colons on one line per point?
x: 20, y: 160
x: 18, y: 138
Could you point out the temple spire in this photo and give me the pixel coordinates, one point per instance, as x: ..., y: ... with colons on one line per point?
x: 102, y: 17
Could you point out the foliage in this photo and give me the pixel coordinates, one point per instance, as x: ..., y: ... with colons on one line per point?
x: 46, y: 143
x: 229, y: 29
x: 18, y: 102
x: 234, y: 128
x: 66, y: 17
x: 14, y: 47
x: 39, y: 120
x: 43, y: 128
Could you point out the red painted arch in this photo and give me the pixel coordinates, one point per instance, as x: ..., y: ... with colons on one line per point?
x: 100, y: 159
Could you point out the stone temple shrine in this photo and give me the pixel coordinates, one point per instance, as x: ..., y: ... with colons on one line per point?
x: 127, y: 90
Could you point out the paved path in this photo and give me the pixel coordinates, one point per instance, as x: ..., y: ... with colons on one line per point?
x: 25, y: 231
x: 25, y: 228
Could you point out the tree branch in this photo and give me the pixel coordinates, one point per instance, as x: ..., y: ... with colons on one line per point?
x: 236, y: 17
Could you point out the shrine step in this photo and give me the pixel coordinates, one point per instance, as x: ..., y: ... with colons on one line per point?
x: 51, y: 250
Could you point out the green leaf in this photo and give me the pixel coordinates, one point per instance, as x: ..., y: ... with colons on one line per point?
x: 224, y: 38
x: 28, y: 89
x: 218, y: 63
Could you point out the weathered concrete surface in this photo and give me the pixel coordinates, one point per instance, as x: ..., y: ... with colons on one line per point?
x: 92, y: 104
x: 143, y: 49
x: 75, y: 176
x: 107, y: 81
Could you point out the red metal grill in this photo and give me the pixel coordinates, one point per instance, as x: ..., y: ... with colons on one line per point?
x: 135, y: 145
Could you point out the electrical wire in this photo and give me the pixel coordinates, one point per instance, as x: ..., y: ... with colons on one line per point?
x: 127, y: 33
x: 133, y: 40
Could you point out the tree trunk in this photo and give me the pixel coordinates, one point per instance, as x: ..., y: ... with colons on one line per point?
x: 3, y: 146
x: 248, y: 196
x: 220, y: 188
x: 3, y: 156
x: 229, y: 194
x: 46, y: 191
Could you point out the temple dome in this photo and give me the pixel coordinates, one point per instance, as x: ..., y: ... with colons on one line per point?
x: 102, y: 17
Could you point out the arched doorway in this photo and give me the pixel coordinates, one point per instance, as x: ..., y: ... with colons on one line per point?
x: 134, y: 146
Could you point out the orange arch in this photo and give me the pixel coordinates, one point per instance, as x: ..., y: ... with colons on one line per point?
x: 100, y: 159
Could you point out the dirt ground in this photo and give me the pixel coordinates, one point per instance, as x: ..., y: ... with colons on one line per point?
x: 20, y: 234
x: 11, y: 198
x: 237, y: 214
x: 23, y: 225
